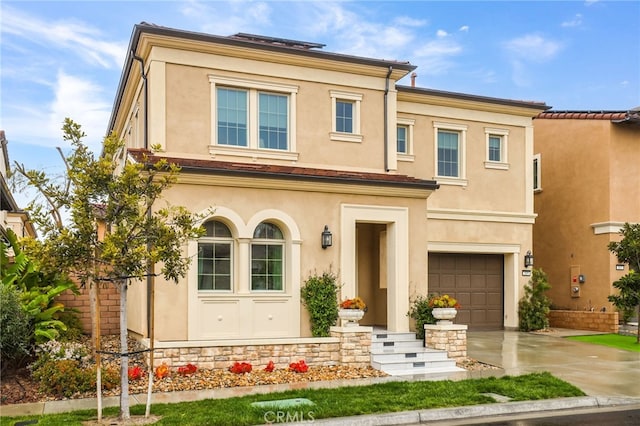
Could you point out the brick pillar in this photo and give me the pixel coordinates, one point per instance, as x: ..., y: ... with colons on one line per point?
x: 355, y: 345
x: 451, y: 338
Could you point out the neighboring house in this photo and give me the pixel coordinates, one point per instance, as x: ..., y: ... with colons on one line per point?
x: 587, y: 186
x: 11, y: 215
x: 422, y: 190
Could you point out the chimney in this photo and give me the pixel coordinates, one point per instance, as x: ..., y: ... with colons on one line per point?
x: 413, y: 79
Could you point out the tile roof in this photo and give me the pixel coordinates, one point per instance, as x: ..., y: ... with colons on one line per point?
x: 623, y: 117
x: 286, y: 172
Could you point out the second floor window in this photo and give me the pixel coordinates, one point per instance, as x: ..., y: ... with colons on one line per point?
x: 495, y: 148
x: 344, y: 116
x: 273, y: 121
x: 232, y: 116
x: 252, y: 118
x: 448, y: 153
x: 402, y: 139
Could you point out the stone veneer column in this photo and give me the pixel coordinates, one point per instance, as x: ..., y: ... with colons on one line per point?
x: 451, y: 338
x: 355, y: 345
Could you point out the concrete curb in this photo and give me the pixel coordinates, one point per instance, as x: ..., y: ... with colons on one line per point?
x: 481, y: 411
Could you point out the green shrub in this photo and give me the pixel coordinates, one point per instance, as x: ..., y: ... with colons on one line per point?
x: 319, y: 296
x: 66, y: 378
x: 422, y: 313
x: 71, y: 320
x: 533, y: 308
x: 15, y: 329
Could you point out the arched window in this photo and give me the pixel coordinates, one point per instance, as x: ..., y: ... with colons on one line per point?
x: 215, y: 257
x: 267, y: 258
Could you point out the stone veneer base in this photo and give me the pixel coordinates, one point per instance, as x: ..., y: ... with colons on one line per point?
x: 450, y: 337
x: 349, y: 346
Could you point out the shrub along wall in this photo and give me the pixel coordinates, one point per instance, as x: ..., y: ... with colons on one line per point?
x: 585, y: 320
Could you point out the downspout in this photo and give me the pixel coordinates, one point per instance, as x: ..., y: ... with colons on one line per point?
x: 386, y: 120
x: 145, y: 139
x: 146, y: 96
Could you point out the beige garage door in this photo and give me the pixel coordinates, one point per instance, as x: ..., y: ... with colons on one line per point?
x: 476, y: 280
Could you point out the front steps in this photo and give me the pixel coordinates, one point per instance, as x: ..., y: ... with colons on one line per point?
x: 401, y: 354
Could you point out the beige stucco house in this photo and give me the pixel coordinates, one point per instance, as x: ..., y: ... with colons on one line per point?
x: 422, y: 190
x: 587, y: 187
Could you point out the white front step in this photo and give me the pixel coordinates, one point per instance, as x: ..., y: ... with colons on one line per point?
x: 400, y: 354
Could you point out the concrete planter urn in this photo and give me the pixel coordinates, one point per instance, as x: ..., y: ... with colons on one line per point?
x: 444, y: 315
x: 350, y: 317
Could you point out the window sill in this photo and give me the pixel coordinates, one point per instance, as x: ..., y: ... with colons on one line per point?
x: 451, y: 181
x: 406, y: 157
x: 496, y: 165
x: 255, y: 154
x: 345, y: 137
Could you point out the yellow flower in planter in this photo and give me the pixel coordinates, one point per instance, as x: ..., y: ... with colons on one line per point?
x: 444, y: 301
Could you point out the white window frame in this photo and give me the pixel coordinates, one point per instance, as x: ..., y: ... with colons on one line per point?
x: 356, y: 99
x: 461, y: 179
x: 213, y: 240
x: 409, y: 123
x: 503, y: 134
x: 269, y: 242
x: 253, y: 88
x: 537, y: 169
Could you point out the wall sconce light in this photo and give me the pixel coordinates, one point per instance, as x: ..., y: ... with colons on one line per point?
x: 327, y: 238
x: 528, y: 259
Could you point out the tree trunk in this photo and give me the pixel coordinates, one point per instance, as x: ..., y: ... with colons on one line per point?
x: 638, y: 321
x: 124, y: 358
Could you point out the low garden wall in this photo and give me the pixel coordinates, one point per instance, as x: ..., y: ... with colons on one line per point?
x: 451, y: 338
x: 606, y: 322
x: 348, y: 346
x: 109, y: 308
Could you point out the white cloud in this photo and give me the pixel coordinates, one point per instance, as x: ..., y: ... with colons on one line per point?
x: 441, y: 34
x: 464, y: 29
x: 83, y: 102
x: 434, y: 56
x: 240, y: 16
x: 533, y: 47
x: 410, y: 22
x: 74, y: 38
x: 575, y: 22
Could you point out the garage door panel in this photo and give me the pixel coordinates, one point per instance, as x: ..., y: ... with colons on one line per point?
x: 476, y: 280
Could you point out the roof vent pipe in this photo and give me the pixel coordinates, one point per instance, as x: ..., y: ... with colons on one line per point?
x: 413, y: 79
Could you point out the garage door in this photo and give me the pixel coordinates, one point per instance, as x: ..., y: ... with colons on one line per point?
x: 476, y: 280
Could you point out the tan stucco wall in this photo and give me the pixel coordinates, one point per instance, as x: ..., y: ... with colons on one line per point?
x: 589, y: 175
x: 310, y: 211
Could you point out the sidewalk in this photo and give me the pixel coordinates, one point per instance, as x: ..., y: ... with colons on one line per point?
x: 608, y: 376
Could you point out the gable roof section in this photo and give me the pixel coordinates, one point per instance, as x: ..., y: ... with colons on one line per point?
x: 630, y: 117
x: 270, y: 171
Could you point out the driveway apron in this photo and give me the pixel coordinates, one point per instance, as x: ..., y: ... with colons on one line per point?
x: 597, y: 370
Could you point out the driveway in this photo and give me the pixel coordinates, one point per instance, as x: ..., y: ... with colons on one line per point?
x: 596, y: 370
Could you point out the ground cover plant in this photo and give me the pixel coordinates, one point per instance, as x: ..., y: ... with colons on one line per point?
x: 627, y: 343
x: 339, y: 402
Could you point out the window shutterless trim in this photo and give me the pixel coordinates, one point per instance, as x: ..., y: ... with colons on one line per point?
x: 503, y: 134
x: 254, y: 88
x: 461, y: 129
x: 356, y: 99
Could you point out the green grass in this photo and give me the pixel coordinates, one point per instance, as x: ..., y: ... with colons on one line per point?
x: 337, y: 402
x: 627, y: 343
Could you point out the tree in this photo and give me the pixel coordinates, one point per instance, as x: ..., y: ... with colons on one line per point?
x: 534, y: 307
x: 627, y: 250
x: 124, y: 197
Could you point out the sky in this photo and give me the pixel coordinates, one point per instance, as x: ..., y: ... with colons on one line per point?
x: 64, y: 58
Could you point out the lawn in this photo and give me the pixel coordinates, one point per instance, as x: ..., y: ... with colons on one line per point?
x: 627, y: 343
x: 337, y: 402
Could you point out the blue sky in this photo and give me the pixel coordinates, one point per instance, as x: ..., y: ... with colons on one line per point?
x: 64, y: 58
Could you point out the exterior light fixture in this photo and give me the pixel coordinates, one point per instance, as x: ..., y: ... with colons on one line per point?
x: 327, y: 238
x: 528, y: 259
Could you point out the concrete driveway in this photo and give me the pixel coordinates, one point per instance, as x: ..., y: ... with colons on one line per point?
x: 596, y: 370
